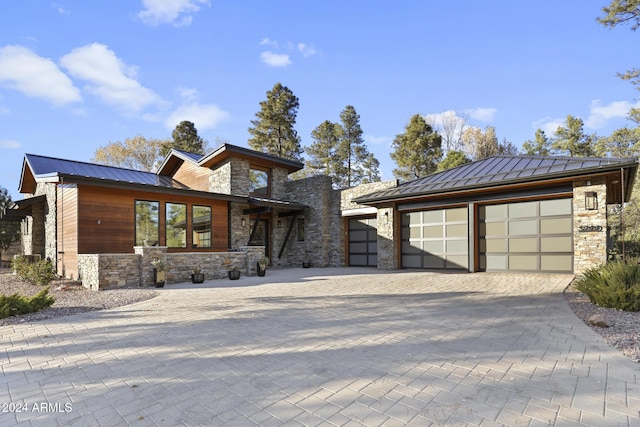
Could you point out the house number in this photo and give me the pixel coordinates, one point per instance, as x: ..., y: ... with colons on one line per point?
x: 587, y: 228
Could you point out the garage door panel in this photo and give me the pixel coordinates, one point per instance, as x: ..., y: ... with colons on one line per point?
x: 440, y: 236
x: 363, y: 242
x: 533, y: 236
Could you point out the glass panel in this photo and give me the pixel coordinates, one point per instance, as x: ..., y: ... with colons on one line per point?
x: 557, y: 263
x: 415, y: 232
x: 412, y: 261
x: 405, y: 233
x: 147, y: 225
x: 496, y: 262
x: 555, y: 207
x: 300, y: 230
x: 373, y: 222
x: 459, y: 246
x: 358, y: 260
x: 518, y: 228
x: 483, y: 245
x: 404, y: 219
x: 523, y: 245
x: 372, y: 248
x: 433, y: 246
x: 355, y: 224
x: 458, y: 214
x: 411, y: 247
x: 459, y: 230
x: 358, y: 247
x: 431, y: 261
x: 556, y: 226
x: 483, y: 262
x: 202, y: 226
x: 495, y: 229
x: 258, y: 181
x: 523, y: 262
x: 415, y: 218
x: 357, y: 235
x: 372, y: 235
x: 556, y: 244
x: 496, y: 245
x: 176, y: 225
x: 523, y: 210
x: 457, y: 261
x: 431, y: 216
x: 432, y: 231
x: 493, y: 212
x: 372, y: 260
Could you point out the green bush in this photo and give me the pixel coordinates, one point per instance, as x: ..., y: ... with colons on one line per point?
x: 15, y: 305
x: 613, y: 285
x: 38, y: 273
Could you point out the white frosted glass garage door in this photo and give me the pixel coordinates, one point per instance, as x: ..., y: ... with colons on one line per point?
x: 435, y: 239
x: 527, y: 236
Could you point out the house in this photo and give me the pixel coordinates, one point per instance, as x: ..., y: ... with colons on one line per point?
x: 104, y: 224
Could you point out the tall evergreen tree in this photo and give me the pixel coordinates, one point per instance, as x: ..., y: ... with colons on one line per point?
x: 352, y: 153
x: 370, y: 169
x: 417, y: 150
x: 322, y: 153
x: 273, y: 129
x: 540, y: 146
x: 571, y: 139
x: 185, y: 137
x: 453, y: 159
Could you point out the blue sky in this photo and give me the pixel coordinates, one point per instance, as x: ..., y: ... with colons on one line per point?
x: 75, y: 75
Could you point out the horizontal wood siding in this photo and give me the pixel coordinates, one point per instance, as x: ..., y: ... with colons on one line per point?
x: 107, y: 219
x: 67, y: 230
x: 193, y: 176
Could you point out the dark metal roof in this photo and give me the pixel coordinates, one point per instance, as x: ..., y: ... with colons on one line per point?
x: 497, y: 171
x: 193, y: 156
x: 44, y: 167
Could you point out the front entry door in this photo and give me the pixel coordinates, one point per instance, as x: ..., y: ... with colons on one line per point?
x: 261, y: 236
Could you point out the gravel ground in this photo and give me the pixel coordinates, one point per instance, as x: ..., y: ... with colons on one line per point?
x: 71, y: 298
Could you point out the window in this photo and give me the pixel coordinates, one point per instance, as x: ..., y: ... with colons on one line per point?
x: 300, y: 229
x: 147, y: 228
x: 258, y: 181
x: 176, y: 234
x: 202, y: 226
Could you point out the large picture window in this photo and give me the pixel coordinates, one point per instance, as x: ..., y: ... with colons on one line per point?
x: 176, y: 215
x: 202, y: 226
x: 258, y: 181
x: 147, y: 226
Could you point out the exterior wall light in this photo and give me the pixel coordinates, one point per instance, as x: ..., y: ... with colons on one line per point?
x: 590, y: 200
x: 243, y: 222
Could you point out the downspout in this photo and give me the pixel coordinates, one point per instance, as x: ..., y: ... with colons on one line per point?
x: 622, y: 210
x: 61, y: 252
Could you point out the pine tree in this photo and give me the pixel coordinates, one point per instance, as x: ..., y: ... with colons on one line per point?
x: 322, y: 152
x: 541, y: 146
x: 572, y: 140
x: 185, y: 137
x: 417, y: 150
x: 352, y: 153
x: 273, y: 130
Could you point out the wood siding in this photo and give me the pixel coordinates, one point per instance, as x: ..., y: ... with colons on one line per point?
x: 67, y: 230
x: 107, y: 219
x: 193, y: 176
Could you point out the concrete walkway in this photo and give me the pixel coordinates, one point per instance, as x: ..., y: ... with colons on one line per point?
x: 324, y: 347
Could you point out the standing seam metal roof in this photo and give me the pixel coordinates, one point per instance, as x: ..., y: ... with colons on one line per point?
x: 494, y: 170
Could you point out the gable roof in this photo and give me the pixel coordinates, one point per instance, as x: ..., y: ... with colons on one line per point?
x: 176, y: 157
x: 503, y: 170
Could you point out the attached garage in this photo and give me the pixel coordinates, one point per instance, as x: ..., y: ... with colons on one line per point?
x: 363, y: 242
x: 435, y: 239
x: 532, y: 236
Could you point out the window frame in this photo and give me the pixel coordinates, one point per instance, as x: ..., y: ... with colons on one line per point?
x: 135, y: 221
x: 267, y: 171
x: 193, y: 227
x: 168, y: 226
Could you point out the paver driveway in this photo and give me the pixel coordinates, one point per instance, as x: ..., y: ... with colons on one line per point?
x: 324, y: 347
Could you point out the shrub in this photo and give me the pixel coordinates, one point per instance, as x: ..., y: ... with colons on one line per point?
x: 613, y: 285
x: 15, y: 305
x: 38, y: 273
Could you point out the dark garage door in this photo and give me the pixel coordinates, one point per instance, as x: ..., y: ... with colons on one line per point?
x: 363, y: 242
x: 527, y: 236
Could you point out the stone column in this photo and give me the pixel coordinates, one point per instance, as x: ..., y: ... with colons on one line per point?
x: 148, y: 253
x: 387, y: 245
x: 589, y: 226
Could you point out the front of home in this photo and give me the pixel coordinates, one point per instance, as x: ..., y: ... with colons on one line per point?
x: 101, y: 224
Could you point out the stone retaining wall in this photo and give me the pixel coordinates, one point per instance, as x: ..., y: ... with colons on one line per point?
x: 104, y: 271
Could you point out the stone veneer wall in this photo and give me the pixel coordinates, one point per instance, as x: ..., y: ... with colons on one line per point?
x: 102, y: 271
x: 322, y: 245
x: 590, y: 247
x: 230, y: 177
x: 39, y: 232
x: 387, y: 240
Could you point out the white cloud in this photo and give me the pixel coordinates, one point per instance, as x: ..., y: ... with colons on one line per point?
x: 188, y: 93
x: 275, y: 59
x: 108, y: 77
x: 205, y: 116
x: 306, y: 50
x: 549, y: 125
x: 268, y: 42
x: 378, y: 140
x: 35, y: 76
x: 482, y: 114
x: 599, y: 114
x: 176, y: 12
x: 10, y: 144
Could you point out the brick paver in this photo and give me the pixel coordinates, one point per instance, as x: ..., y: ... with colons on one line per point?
x: 324, y: 347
